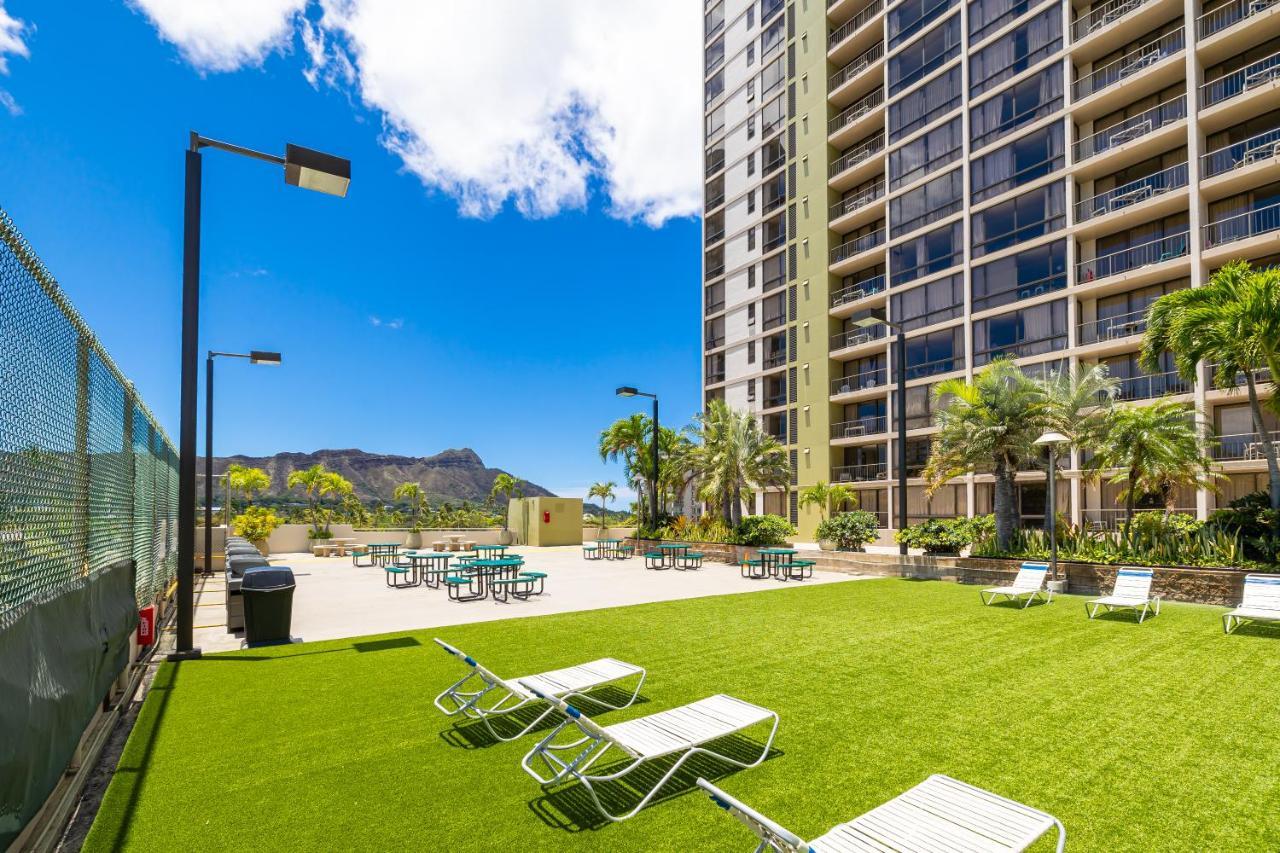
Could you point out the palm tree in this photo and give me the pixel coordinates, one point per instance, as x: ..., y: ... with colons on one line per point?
x: 736, y: 457
x: 318, y: 482
x: 1076, y: 404
x: 247, y: 481
x: 827, y: 497
x: 508, y: 487
x: 1151, y: 450
x: 990, y: 425
x: 1233, y: 322
x: 603, y: 491
x: 413, y: 494
x: 628, y: 439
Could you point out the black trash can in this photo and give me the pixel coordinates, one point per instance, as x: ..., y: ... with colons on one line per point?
x: 268, y: 605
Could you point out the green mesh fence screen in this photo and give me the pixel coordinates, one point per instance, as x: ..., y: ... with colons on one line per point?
x: 87, y: 478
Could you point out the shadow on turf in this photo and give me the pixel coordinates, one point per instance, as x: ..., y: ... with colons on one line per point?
x: 1258, y: 631
x: 474, y: 734
x: 361, y: 648
x: 570, y: 808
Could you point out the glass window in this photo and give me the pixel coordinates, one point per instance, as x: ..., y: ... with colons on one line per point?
x: 926, y: 254
x: 1029, y: 331
x: 928, y: 203
x: 772, y: 115
x: 936, y: 352
x: 715, y: 121
x: 715, y: 19
x: 932, y: 101
x: 1021, y: 276
x: 1019, y: 105
x: 929, y: 303
x: 987, y: 16
x: 715, y: 54
x: 772, y: 76
x: 772, y: 36
x: 1016, y: 51
x: 1033, y: 156
x: 773, y: 270
x: 715, y: 86
x: 911, y: 16
x: 927, y: 53
x: 1030, y: 215
x: 926, y: 154
x: 772, y: 155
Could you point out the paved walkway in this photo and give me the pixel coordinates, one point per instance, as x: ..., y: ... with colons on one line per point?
x: 335, y: 599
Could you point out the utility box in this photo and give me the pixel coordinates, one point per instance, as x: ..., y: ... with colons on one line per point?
x: 546, y: 521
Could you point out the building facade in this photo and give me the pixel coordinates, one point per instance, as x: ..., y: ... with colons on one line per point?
x: 1000, y: 178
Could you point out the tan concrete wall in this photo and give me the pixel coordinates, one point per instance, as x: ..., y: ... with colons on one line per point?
x: 292, y: 538
x: 1223, y: 586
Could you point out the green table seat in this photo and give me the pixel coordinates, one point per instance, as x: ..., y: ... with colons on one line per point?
x: 400, y: 577
x: 655, y: 560
x: 590, y: 551
x: 755, y: 569
x: 797, y: 570
x: 690, y: 560
x: 519, y: 586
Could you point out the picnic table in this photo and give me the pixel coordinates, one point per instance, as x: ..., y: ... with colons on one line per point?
x: 429, y: 567
x: 609, y: 547
x: 382, y: 552
x: 491, y: 551
x: 672, y: 551
x: 482, y: 572
x: 773, y: 559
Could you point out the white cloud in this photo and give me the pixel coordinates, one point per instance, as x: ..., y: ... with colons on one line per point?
x: 500, y: 102
x: 379, y: 323
x: 12, y: 31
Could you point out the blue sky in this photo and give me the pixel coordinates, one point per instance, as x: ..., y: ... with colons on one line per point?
x: 408, y: 323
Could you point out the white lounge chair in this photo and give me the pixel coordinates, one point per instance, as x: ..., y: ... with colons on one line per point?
x: 1132, y: 591
x: 493, y: 696
x: 1261, y: 602
x: 1028, y: 584
x: 683, y: 731
x: 940, y: 815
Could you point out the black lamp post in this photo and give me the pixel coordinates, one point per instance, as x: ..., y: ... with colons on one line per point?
x: 628, y: 391
x: 1052, y: 439
x: 255, y: 357
x: 304, y: 168
x: 900, y: 349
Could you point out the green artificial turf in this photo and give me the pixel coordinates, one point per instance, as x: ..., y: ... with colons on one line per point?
x: 1160, y: 736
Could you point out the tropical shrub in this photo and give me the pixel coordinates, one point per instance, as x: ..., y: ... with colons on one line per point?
x: 945, y: 535
x: 256, y: 523
x: 850, y: 531
x: 1154, y: 539
x: 764, y: 530
x: 704, y: 528
x: 1252, y: 519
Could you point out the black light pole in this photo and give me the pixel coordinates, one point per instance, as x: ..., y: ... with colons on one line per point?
x: 255, y: 357
x: 900, y: 349
x: 628, y: 391
x: 1052, y: 439
x: 304, y: 168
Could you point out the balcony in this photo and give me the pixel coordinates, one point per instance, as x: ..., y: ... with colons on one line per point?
x: 1131, y: 63
x: 1260, y: 377
x: 868, y: 381
x: 1115, y: 328
x: 1133, y: 258
x: 860, y: 428
x: 1131, y: 129
x: 1101, y: 16
x: 715, y: 236
x: 1152, y: 386
x: 841, y: 44
x: 775, y: 359
x: 846, y: 172
x: 1211, y: 23
x: 1242, y: 226
x: 1245, y: 447
x: 859, y: 473
x: 773, y: 322
x: 715, y: 270
x: 713, y: 343
x: 1134, y: 192
x: 775, y: 401
x: 859, y: 201
x: 713, y: 307
x: 854, y: 292
x: 856, y: 337
x: 1234, y: 85
x: 865, y: 243
x: 1256, y: 149
x: 866, y: 105
x: 862, y: 63
x: 714, y: 377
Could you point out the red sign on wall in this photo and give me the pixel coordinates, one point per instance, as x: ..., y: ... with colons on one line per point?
x: 147, y: 625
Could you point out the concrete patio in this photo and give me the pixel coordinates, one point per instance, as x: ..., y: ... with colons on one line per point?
x: 335, y: 599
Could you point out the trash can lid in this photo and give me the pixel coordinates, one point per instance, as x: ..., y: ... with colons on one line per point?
x: 268, y: 578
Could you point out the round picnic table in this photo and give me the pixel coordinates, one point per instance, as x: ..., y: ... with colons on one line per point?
x: 381, y: 552
x: 491, y: 551
x: 609, y: 547
x: 428, y: 566
x: 673, y: 551
x: 486, y: 570
x: 773, y: 558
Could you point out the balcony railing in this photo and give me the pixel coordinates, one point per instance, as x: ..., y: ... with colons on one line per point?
x: 716, y: 376
x: 1260, y: 377
x: 1232, y: 13
x: 857, y: 155
x: 858, y: 382
x: 1113, y: 518
x: 1245, y: 446
x: 712, y: 343
x: 1131, y: 63
x: 715, y: 163
x: 859, y: 200
x: 854, y: 24
x: 1134, y: 257
x: 859, y: 473
x: 1101, y: 16
x: 1153, y: 385
x: 856, y: 337
x: 1173, y: 178
x: 715, y: 201
x: 1114, y: 328
x: 854, y: 292
x: 1131, y: 128
x: 1256, y: 149
x: 1238, y: 82
x: 855, y: 111
x: 713, y: 307
x: 862, y: 244
x: 856, y: 67
x: 716, y: 270
x: 862, y: 426
x: 773, y: 322
x: 715, y: 236
x: 775, y: 359
x: 1251, y: 223
x: 776, y: 400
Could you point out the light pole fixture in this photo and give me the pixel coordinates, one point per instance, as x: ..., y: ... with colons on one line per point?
x: 1052, y: 439
x: 254, y: 357
x: 900, y: 349
x: 628, y: 391
x: 303, y: 167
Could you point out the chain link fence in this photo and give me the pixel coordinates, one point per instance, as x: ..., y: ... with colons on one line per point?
x: 87, y: 477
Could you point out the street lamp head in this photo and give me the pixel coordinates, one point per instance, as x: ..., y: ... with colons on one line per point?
x: 1052, y: 437
x: 261, y: 357
x: 626, y: 391
x: 315, y: 170
x: 868, y: 322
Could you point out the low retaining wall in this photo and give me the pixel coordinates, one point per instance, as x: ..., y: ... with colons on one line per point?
x: 1222, y: 586
x: 292, y: 538
x: 850, y: 562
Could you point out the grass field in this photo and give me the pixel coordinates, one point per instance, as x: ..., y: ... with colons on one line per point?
x: 1159, y: 736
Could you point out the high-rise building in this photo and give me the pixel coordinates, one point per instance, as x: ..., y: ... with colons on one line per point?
x: 999, y: 177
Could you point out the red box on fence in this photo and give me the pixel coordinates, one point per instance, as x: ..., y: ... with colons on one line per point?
x: 147, y: 625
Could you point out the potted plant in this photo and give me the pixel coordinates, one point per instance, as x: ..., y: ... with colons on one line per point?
x: 827, y: 498
x: 256, y: 524
x: 508, y: 487
x: 944, y: 536
x: 849, y: 531
x: 417, y: 500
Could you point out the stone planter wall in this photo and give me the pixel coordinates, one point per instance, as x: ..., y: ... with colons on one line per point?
x: 1222, y: 586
